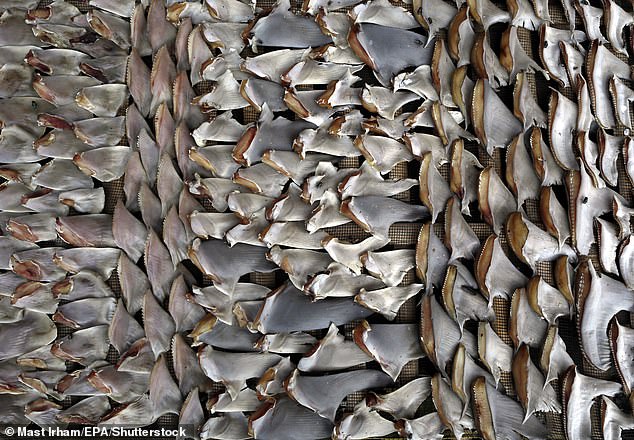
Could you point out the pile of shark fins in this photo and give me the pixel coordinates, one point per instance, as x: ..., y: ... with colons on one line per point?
x: 371, y: 118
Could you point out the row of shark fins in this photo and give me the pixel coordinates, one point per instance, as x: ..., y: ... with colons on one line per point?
x: 279, y: 187
x: 63, y: 83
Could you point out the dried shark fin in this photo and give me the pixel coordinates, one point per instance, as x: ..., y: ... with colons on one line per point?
x: 102, y: 100
x: 550, y: 50
x: 591, y: 17
x: 493, y: 352
x: 269, y: 133
x: 451, y: 411
x: 586, y: 202
x: 623, y: 96
x: 187, y: 370
x: 223, y: 128
x: 326, y: 214
x: 533, y: 392
x: 31, y: 332
x: 525, y: 106
x: 129, y: 233
x: 486, y: 63
x: 525, y: 14
x: 433, y: 17
x: 159, y: 267
x: 626, y: 261
x: 339, y: 281
x: 513, y: 56
x: 459, y: 237
x: 498, y: 416
x: 434, y: 190
x: 133, y: 282
x: 259, y: 91
x: 332, y: 352
x: 32, y: 227
x: 381, y: 342
x: 191, y: 415
x: 86, y: 412
x: 218, y: 366
x: 441, y: 335
x: 428, y: 426
x: 281, y: 28
x: 388, y: 51
x: 110, y: 27
x: 547, y: 301
x: 486, y: 13
x: 447, y: 125
x: 159, y: 30
x: 215, y: 333
x: 621, y: 342
x: 53, y: 61
x: 124, y: 330
x: 104, y: 164
x: 464, y: 370
x: 308, y: 315
x: 83, y: 346
x: 404, y: 401
x: 292, y: 234
x: 385, y: 102
x: 520, y: 175
x: 599, y: 81
x: 461, y: 298
x: 574, y: 59
x: 431, y: 258
x: 579, y: 392
x: 381, y: 152
x: 376, y: 214
x: 527, y: 326
x: 323, y: 394
x: 613, y: 420
x: 495, y: 200
x: 553, y: 215
x: 246, y: 401
x: 271, y: 383
x: 84, y: 313
x: 363, y: 423
x: 554, y: 359
x: 138, y: 81
x: 62, y: 175
x: 463, y: 174
x: 367, y: 181
x: 532, y: 244
x: 422, y: 143
x: 599, y: 298
x: 90, y: 230
x: 609, y: 148
x: 185, y: 312
x: 607, y: 234
x: 158, y: 324
x: 86, y: 201
x: 261, y: 179
x: 238, y: 260
x: 282, y: 417
x: 494, y: 124
x: 419, y: 82
x: 61, y: 90
x: 389, y: 266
